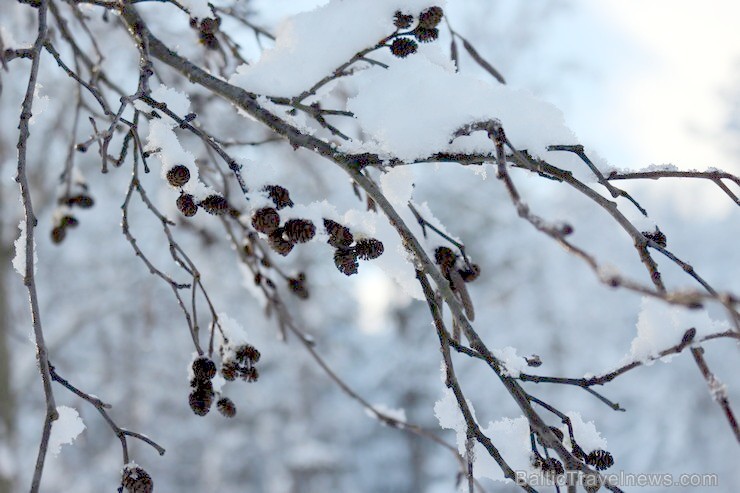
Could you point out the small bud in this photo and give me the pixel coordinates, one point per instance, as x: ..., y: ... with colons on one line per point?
x: 68, y: 221
x: 298, y: 288
x: 178, y: 175
x: 369, y: 248
x: 82, y: 201
x: 215, y: 204
x: 403, y: 47
x: 471, y: 274
x: 552, y: 466
x: 136, y: 480
x: 266, y: 220
x: 657, y: 236
x: 226, y: 407
x: 186, y: 205
x: 209, y: 25
x: 299, y: 230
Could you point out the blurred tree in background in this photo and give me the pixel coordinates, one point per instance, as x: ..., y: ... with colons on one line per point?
x: 305, y: 265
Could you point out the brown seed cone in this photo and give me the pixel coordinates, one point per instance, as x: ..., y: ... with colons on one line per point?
x: 229, y: 371
x: 278, y: 243
x: 226, y: 407
x: 186, y: 204
x: 403, y: 47
x: 600, y: 459
x: 83, y: 201
x: 248, y: 354
x: 266, y: 220
x: 431, y: 17
x: 204, y: 368
x: 339, y: 236
x: 471, y: 274
x: 369, y: 248
x: 346, y: 261
x: 58, y: 234
x: 279, y: 196
x: 444, y: 256
x: 299, y: 230
x: 425, y: 35
x: 401, y: 20
x: 201, y: 400
x: 136, y: 480
x: 178, y: 175
x: 215, y: 204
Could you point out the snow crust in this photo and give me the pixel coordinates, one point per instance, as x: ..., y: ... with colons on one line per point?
x: 197, y: 8
x: 660, y: 326
x: 311, y: 45
x: 413, y: 109
x: 19, y: 261
x: 65, y: 430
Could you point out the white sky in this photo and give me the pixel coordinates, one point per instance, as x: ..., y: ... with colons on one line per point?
x: 661, y: 68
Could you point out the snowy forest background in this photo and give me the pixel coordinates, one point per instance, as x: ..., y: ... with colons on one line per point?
x: 115, y: 331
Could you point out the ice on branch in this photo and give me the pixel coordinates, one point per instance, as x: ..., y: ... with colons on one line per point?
x: 313, y: 44
x: 661, y: 326
x: 65, y: 429
x: 19, y: 261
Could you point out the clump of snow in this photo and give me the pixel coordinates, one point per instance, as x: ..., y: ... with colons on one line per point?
x: 318, y: 42
x: 197, y: 8
x: 661, y: 326
x: 176, y: 101
x: 586, y: 434
x: 413, y: 108
x: 657, y: 167
x: 19, y: 261
x: 513, y: 363
x: 397, y: 414
x: 170, y: 152
x: 65, y: 429
x: 230, y: 337
x: 398, y: 185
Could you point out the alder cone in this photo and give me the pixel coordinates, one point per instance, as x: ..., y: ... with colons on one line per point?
x: 215, y: 204
x: 178, y: 175
x: 186, y: 205
x: 299, y: 230
x: 266, y: 220
x: 137, y: 480
x: 369, y: 248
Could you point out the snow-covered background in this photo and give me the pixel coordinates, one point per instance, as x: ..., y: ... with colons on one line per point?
x: 636, y: 84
